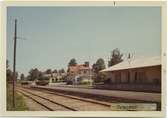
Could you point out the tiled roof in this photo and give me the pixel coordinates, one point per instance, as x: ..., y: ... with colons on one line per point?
x: 135, y: 63
x: 78, y: 67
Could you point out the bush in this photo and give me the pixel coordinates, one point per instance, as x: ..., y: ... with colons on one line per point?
x: 100, y: 77
x: 43, y: 78
x: 69, y: 83
x: 42, y: 83
x: 85, y: 83
x: 107, y: 81
x: 24, y: 83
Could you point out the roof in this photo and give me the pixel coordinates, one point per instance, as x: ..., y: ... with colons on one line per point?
x: 78, y: 67
x: 135, y: 63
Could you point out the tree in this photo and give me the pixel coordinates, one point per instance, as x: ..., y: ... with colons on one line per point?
x: 40, y: 74
x: 41, y: 77
x: 9, y: 75
x: 99, y: 65
x: 62, y: 71
x: 9, y: 72
x: 17, y: 74
x: 22, y: 77
x: 68, y: 70
x: 48, y: 71
x: 28, y: 77
x: 55, y: 71
x: 7, y: 64
x: 72, y: 62
x: 34, y: 74
x: 116, y: 57
x: 86, y: 63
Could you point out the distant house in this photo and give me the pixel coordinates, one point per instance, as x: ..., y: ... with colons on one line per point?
x: 143, y: 73
x: 55, y: 77
x: 79, y: 73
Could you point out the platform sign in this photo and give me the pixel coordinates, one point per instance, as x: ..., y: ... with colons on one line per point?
x: 133, y: 106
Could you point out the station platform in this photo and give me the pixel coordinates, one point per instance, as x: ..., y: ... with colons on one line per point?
x: 142, y: 96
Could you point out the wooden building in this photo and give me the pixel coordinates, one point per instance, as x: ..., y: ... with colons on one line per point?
x: 136, y: 74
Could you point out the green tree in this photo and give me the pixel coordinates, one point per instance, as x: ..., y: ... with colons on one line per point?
x: 9, y: 75
x: 116, y: 57
x: 7, y: 64
x: 42, y: 77
x: 40, y: 74
x: 28, y: 77
x: 48, y: 71
x: 62, y: 71
x: 98, y: 66
x: 86, y: 63
x: 34, y: 74
x: 17, y: 74
x: 55, y: 71
x: 9, y: 72
x: 72, y: 62
x: 22, y: 77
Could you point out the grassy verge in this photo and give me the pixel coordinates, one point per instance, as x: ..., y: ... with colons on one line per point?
x: 20, y: 103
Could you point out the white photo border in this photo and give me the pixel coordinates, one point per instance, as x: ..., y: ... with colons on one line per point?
x: 3, y: 30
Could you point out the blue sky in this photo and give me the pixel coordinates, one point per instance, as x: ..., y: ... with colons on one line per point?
x: 57, y: 34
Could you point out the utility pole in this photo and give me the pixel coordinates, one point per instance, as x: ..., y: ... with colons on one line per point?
x: 90, y: 73
x: 14, y: 62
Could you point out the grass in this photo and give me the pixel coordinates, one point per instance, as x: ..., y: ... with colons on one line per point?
x: 20, y: 104
x: 85, y: 83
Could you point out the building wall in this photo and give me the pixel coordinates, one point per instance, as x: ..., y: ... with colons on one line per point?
x: 146, y: 75
x: 79, y: 72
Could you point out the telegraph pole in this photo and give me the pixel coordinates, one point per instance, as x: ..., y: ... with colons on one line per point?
x: 14, y: 62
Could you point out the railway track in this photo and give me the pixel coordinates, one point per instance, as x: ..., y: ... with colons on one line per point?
x: 45, y: 102
x: 75, y: 97
x: 60, y: 102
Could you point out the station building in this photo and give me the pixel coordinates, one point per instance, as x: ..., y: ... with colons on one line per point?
x: 136, y: 74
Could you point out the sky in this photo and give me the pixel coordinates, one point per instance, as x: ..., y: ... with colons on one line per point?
x: 54, y: 35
